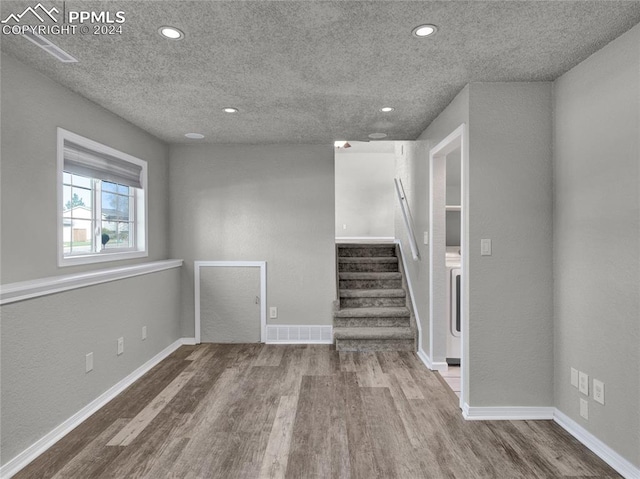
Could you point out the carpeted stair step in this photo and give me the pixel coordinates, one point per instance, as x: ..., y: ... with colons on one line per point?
x: 368, y: 264
x: 373, y: 313
x: 374, y: 339
x: 367, y: 298
x: 372, y: 318
x: 370, y: 280
x: 366, y: 250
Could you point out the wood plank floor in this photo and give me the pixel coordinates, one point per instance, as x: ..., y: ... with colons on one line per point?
x: 307, y: 411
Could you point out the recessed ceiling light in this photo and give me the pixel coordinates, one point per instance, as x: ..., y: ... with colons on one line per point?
x: 377, y: 136
x: 425, y: 30
x: 386, y: 109
x: 171, y: 32
x: 194, y: 136
x: 230, y: 109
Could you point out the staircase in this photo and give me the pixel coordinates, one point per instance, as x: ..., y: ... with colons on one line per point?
x: 372, y: 312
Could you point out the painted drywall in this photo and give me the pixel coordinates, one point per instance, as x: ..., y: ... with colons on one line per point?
x: 44, y: 340
x: 596, y: 246
x: 364, y: 190
x: 510, y: 326
x: 33, y: 106
x: 412, y: 166
x: 272, y: 203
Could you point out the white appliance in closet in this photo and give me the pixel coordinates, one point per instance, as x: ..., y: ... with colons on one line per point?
x: 454, y: 318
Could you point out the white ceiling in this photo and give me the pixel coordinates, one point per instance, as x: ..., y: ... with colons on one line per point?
x: 314, y: 71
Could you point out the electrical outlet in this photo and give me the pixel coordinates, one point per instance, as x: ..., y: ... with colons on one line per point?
x: 344, y: 227
x: 583, y: 383
x: 88, y: 362
x: 598, y: 391
x: 584, y: 408
x: 574, y: 377
x: 426, y: 237
x: 485, y: 247
x: 273, y: 312
x: 144, y: 333
x: 120, y: 346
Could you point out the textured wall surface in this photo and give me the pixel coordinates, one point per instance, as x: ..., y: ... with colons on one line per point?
x: 45, y: 340
x: 32, y: 108
x: 596, y: 240
x: 510, y: 293
x: 365, y: 195
x: 259, y: 203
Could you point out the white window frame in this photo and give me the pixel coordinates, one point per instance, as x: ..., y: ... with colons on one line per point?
x: 140, y: 249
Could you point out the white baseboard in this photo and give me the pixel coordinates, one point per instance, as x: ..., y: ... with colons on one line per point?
x: 437, y: 366
x: 599, y: 448
x: 32, y: 452
x: 189, y: 341
x: 299, y: 334
x: 365, y: 239
x: 508, y: 413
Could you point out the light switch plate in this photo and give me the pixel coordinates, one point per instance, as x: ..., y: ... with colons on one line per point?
x: 426, y: 237
x: 583, y: 383
x: 120, y: 346
x: 88, y: 362
x: 273, y: 312
x: 584, y: 408
x: 144, y: 333
x: 574, y: 377
x: 598, y: 391
x: 485, y: 247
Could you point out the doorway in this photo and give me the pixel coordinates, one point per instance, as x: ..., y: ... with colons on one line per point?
x: 448, y: 256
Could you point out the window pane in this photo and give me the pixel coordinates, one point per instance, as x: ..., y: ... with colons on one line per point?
x: 66, y: 200
x: 123, y: 235
x: 109, y: 232
x: 80, y: 237
x: 81, y: 197
x: 66, y: 178
x: 109, y: 206
x: 123, y: 208
x: 81, y: 181
x: 109, y: 187
x: 123, y: 190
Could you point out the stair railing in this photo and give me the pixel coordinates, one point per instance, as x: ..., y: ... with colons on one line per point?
x: 408, y: 219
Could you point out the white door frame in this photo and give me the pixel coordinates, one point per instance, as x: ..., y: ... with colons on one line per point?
x: 457, y: 139
x: 226, y: 264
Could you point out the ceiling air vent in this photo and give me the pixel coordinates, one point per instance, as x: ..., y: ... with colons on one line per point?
x: 49, y: 47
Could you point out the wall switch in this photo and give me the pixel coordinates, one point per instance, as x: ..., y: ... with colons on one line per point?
x: 574, y: 377
x: 485, y: 247
x: 344, y: 226
x: 144, y: 333
x: 583, y: 383
x: 426, y: 237
x: 120, y: 346
x: 273, y: 312
x: 584, y: 408
x: 598, y: 391
x: 88, y: 362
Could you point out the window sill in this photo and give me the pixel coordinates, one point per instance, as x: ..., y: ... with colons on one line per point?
x: 13, y: 292
x: 100, y: 258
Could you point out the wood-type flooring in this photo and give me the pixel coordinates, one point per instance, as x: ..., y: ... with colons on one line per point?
x: 303, y: 411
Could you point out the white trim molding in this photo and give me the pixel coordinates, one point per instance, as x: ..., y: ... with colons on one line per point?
x: 506, y: 413
x: 299, y: 334
x: 599, y: 448
x: 365, y: 239
x: 12, y: 292
x: 230, y: 264
x: 36, y: 449
x: 426, y: 360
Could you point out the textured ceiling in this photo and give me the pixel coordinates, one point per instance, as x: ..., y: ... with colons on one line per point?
x: 313, y: 71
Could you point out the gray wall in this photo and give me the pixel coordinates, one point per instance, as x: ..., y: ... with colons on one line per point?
x: 364, y: 191
x: 510, y: 294
x: 44, y: 340
x: 260, y: 203
x: 413, y: 168
x: 33, y: 106
x: 596, y: 245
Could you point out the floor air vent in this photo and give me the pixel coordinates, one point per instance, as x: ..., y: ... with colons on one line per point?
x: 280, y: 333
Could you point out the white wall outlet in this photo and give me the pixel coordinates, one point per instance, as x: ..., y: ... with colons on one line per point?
x: 144, y: 333
x: 120, y: 346
x: 584, y: 408
x: 88, y: 362
x: 426, y: 237
x: 598, y: 391
x: 574, y: 377
x: 273, y: 312
x: 583, y: 383
x: 344, y: 226
x: 485, y: 247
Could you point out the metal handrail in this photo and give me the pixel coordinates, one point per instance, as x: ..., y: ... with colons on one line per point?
x: 408, y: 220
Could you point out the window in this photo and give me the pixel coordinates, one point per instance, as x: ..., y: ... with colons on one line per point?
x: 101, y: 205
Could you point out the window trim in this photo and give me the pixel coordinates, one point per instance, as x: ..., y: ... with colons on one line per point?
x: 141, y: 201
